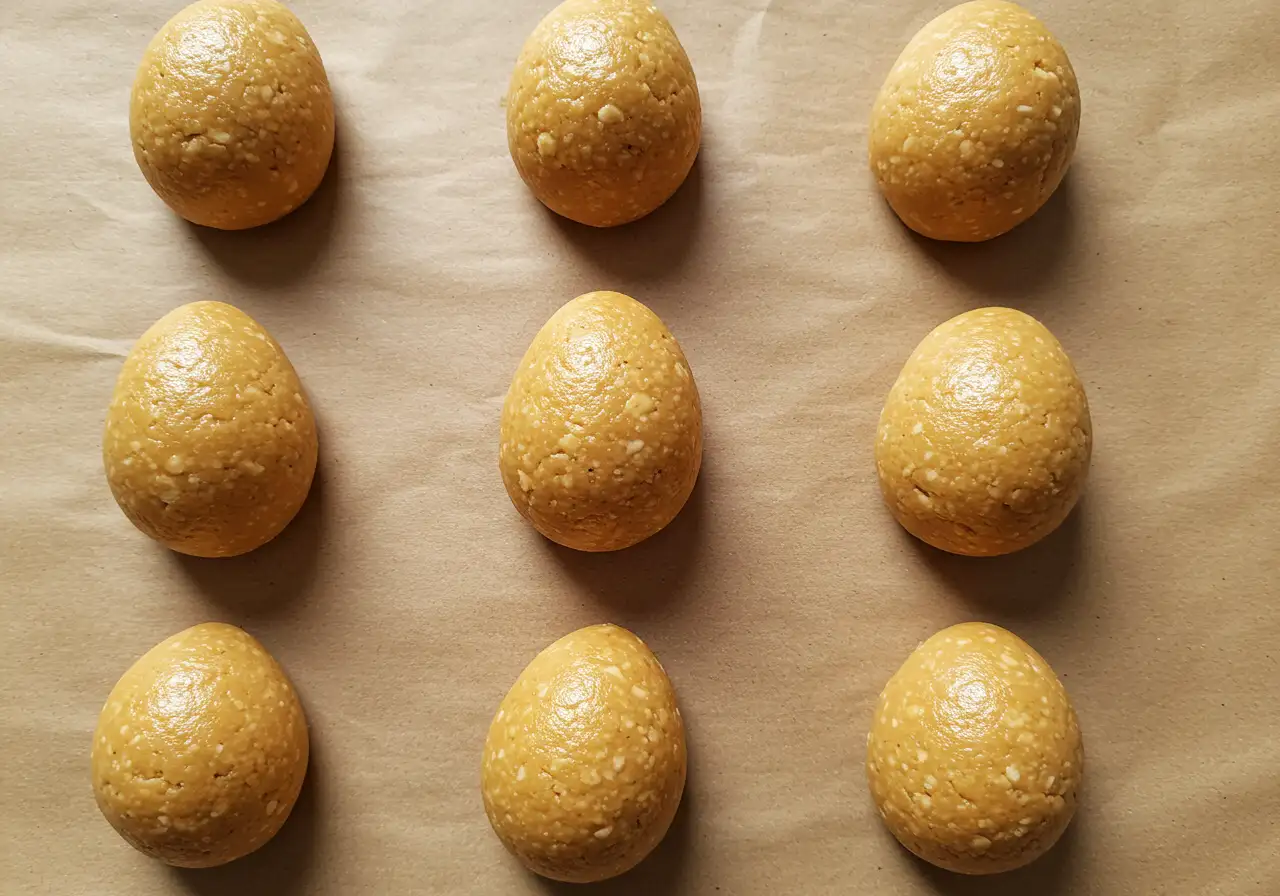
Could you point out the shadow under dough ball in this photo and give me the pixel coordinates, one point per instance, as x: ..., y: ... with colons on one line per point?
x: 231, y: 114
x: 603, y: 116
x: 976, y: 123
x: 201, y: 748
x: 985, y: 438
x: 974, y: 755
x: 210, y: 445
x: 601, y: 435
x: 585, y: 762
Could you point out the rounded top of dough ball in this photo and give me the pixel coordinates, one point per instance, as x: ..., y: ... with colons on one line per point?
x: 601, y: 437
x: 974, y: 754
x: 603, y: 116
x: 231, y: 115
x: 976, y: 124
x: 210, y: 446
x: 985, y: 438
x: 201, y: 748
x: 585, y: 760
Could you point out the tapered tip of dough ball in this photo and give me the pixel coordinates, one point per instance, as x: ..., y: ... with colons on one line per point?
x: 976, y: 123
x: 604, y: 121
x: 231, y: 115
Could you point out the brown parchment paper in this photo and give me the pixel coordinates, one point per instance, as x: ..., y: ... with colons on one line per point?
x: 408, y: 595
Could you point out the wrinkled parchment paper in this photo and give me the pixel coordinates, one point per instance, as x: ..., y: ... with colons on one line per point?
x: 408, y: 595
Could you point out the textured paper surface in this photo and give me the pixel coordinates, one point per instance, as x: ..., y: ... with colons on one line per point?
x: 409, y: 594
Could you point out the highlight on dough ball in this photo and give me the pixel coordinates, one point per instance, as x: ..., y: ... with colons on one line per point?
x: 976, y: 123
x: 231, y: 114
x: 201, y: 748
x: 601, y: 437
x: 585, y: 761
x: 974, y: 756
x: 210, y: 445
x: 985, y: 438
x: 603, y: 116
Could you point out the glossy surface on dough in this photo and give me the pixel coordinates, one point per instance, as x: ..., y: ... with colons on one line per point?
x: 985, y: 438
x: 603, y: 115
x: 201, y: 748
x: 974, y: 754
x: 601, y: 437
x: 585, y: 761
x: 231, y: 114
x: 210, y: 445
x: 976, y: 124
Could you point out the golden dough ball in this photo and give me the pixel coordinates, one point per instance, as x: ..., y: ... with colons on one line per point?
x: 601, y: 436
x: 976, y: 124
x: 210, y: 446
x: 974, y: 755
x: 231, y: 114
x: 984, y: 441
x: 603, y: 116
x: 585, y: 761
x: 201, y: 748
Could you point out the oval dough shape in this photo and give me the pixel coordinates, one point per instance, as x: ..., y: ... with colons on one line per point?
x: 601, y: 437
x: 231, y: 115
x: 210, y: 445
x: 603, y: 116
x: 585, y: 761
x: 201, y: 748
x: 976, y: 123
x: 985, y: 439
x: 974, y: 755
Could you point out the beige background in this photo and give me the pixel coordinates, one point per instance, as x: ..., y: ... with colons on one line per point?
x: 409, y: 594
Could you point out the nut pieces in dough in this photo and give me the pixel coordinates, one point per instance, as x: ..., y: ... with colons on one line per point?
x: 210, y: 446
x: 201, y: 748
x: 603, y: 116
x: 985, y: 438
x: 976, y: 124
x: 974, y: 755
x: 601, y: 437
x: 231, y: 115
x: 585, y: 761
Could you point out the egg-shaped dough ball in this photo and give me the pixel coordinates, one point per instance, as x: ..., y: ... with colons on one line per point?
x: 585, y: 761
x: 985, y: 438
x: 210, y: 446
x: 201, y: 748
x: 231, y: 114
x: 603, y: 116
x: 974, y: 755
x: 601, y: 437
x: 976, y: 124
